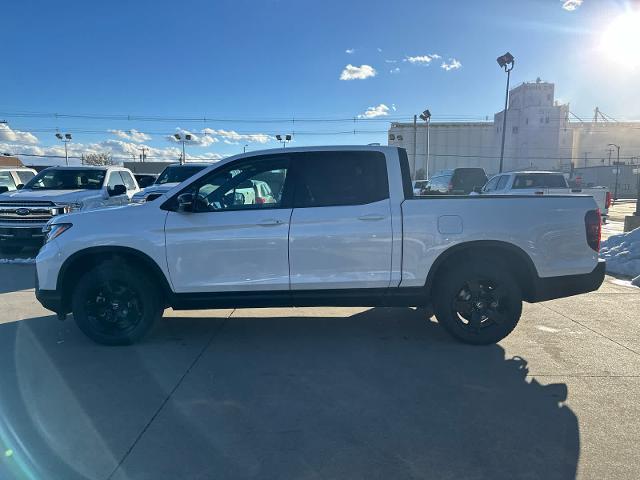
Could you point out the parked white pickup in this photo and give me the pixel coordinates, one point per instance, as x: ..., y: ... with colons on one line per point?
x: 344, y: 228
x: 544, y: 183
x: 56, y: 191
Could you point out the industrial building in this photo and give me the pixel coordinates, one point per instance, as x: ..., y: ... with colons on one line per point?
x: 541, y: 134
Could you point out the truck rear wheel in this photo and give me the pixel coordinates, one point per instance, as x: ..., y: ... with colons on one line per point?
x: 478, y: 303
x: 114, y: 305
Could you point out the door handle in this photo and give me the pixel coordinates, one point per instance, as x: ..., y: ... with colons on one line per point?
x: 371, y: 217
x: 270, y: 222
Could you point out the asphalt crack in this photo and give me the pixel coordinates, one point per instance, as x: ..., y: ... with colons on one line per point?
x: 168, y: 397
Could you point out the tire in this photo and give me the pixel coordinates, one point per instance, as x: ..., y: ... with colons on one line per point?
x: 479, y: 302
x: 10, y: 249
x: 115, y: 305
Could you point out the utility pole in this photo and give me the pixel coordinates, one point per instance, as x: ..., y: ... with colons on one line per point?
x: 415, y: 144
x: 585, y: 158
x: 143, y: 155
x: 610, y: 150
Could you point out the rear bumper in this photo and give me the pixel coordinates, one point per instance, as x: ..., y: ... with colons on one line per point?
x: 565, y: 286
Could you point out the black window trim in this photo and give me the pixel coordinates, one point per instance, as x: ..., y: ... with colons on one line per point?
x: 287, y: 195
x: 294, y: 176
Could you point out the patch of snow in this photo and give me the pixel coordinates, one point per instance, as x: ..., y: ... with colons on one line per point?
x: 622, y: 253
x: 24, y: 261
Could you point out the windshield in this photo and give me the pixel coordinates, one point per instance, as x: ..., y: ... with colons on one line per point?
x: 67, y: 179
x: 178, y: 173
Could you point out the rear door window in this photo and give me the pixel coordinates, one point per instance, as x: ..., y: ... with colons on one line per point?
x: 340, y: 178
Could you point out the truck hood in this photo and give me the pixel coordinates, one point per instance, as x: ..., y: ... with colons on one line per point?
x: 59, y: 196
x: 165, y: 187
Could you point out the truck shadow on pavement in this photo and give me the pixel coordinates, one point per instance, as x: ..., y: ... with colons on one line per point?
x: 380, y: 394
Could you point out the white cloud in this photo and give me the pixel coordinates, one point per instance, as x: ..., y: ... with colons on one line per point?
x: 350, y: 50
x: 199, y: 140
x: 7, y: 134
x: 571, y: 5
x: 231, y: 136
x: 379, y: 49
x: 422, y: 59
x: 452, y: 65
x: 391, y: 61
x: 351, y: 72
x: 393, y: 107
x: 119, y: 149
x: 373, y: 112
x: 133, y: 135
x: 395, y: 70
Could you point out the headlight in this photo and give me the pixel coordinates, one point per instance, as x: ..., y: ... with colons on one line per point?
x: 55, y: 230
x: 69, y: 207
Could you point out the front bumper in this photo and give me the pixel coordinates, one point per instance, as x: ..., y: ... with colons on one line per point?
x: 549, y: 288
x: 22, y: 235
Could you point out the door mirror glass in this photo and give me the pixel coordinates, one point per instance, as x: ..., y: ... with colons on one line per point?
x: 117, y: 190
x: 185, y: 202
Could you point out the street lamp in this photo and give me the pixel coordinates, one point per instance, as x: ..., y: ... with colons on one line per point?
x: 426, y: 116
x: 287, y: 138
x: 615, y: 189
x: 507, y: 62
x: 184, y: 139
x: 66, y: 138
x: 244, y: 148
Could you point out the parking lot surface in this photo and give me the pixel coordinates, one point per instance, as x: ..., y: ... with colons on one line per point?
x: 321, y: 393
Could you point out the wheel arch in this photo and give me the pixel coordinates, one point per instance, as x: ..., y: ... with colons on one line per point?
x: 82, y: 261
x: 510, y: 256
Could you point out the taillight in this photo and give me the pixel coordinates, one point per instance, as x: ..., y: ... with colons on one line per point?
x: 608, y: 200
x: 593, y: 228
x: 261, y: 200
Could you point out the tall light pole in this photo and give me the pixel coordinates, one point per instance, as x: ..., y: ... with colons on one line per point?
x: 184, y: 139
x: 66, y: 138
x: 287, y: 138
x: 426, y: 116
x: 507, y: 62
x: 615, y: 188
x: 244, y: 148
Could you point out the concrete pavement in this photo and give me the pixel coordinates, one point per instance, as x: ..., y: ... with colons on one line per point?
x: 321, y: 393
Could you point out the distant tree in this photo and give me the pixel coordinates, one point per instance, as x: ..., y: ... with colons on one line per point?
x: 99, y: 159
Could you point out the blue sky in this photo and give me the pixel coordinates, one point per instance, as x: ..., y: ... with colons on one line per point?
x: 245, y: 61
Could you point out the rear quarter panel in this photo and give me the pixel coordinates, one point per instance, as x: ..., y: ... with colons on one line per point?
x: 549, y: 229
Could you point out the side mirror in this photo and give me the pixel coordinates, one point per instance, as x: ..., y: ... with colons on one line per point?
x: 117, y: 190
x: 4, y: 189
x: 20, y: 186
x: 185, y: 202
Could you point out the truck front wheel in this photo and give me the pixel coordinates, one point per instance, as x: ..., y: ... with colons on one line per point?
x: 114, y: 305
x: 478, y: 303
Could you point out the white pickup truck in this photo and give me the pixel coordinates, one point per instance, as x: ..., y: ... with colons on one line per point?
x: 56, y: 191
x: 544, y: 183
x: 344, y: 229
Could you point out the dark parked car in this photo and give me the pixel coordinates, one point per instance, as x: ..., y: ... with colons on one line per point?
x: 459, y: 181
